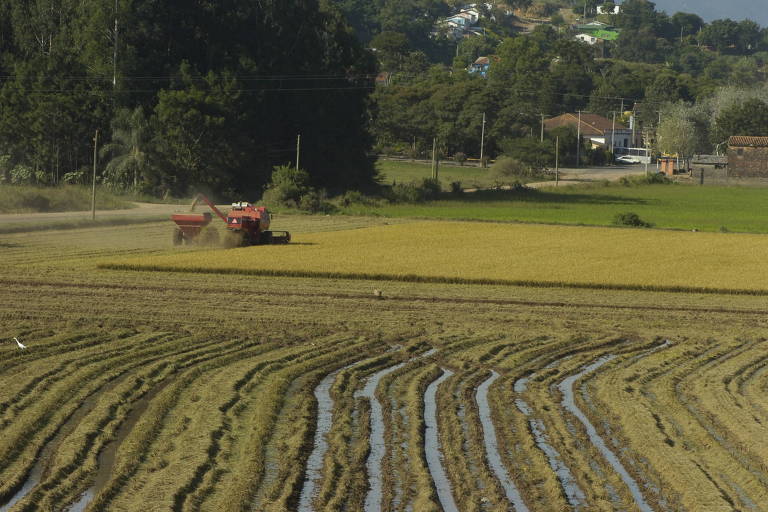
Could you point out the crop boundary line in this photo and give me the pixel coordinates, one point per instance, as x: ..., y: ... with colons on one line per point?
x: 415, y: 278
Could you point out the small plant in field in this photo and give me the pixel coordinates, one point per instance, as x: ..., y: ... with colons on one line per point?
x: 630, y: 219
x: 650, y: 179
x: 427, y: 190
x: 460, y: 158
x: 456, y: 188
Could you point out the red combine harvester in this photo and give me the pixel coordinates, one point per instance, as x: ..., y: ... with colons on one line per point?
x: 250, y: 222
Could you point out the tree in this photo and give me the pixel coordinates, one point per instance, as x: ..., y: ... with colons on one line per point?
x: 676, y: 136
x: 129, y: 149
x: 391, y: 49
x: 722, y: 35
x: 749, y: 118
x: 686, y: 24
x: 641, y: 45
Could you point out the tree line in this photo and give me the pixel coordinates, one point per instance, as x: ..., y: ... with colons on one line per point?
x: 657, y: 62
x: 212, y: 95
x: 190, y: 93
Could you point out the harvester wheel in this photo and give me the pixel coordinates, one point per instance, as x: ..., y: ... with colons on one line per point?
x: 178, y: 237
x: 246, y: 239
x: 266, y: 238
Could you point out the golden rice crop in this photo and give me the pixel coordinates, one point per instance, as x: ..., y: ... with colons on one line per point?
x: 467, y: 252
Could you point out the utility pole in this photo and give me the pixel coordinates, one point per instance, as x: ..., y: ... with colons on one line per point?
x: 542, y: 127
x: 482, y: 143
x: 114, y: 59
x: 613, y: 133
x: 95, y: 160
x: 557, y: 160
x: 578, y: 141
x: 634, y: 124
x: 298, y: 151
x: 434, y: 158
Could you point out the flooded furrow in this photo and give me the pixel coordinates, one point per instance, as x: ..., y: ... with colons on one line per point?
x: 432, y: 446
x: 573, y: 493
x: 108, y: 453
x: 324, y: 423
x: 569, y: 403
x: 492, y: 446
x: 43, y: 458
x: 377, y: 444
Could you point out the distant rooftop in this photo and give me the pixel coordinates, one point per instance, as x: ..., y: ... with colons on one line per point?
x: 744, y: 142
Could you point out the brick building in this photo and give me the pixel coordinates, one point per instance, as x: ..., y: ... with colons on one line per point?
x: 748, y: 157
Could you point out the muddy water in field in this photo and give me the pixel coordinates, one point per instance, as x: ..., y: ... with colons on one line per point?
x: 108, y: 453
x: 573, y: 492
x: 315, y: 461
x: 38, y: 470
x: 377, y: 444
x: 492, y: 447
x: 376, y: 455
x: 432, y: 446
x: 569, y: 402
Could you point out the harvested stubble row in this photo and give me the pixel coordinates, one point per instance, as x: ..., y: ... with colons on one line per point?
x: 464, y: 252
x: 222, y: 369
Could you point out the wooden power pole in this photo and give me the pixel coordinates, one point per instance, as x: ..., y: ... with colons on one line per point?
x: 95, y: 160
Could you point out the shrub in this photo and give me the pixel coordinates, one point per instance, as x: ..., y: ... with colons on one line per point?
x: 74, y: 178
x: 427, y: 190
x: 508, y: 170
x: 22, y: 175
x: 287, y: 186
x: 314, y: 201
x: 5, y: 169
x: 430, y: 189
x: 403, y: 193
x: 352, y: 197
x: 456, y: 188
x: 630, y: 219
x: 460, y: 158
x: 650, y: 179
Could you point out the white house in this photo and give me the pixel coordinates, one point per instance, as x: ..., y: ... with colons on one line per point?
x: 586, y: 38
x: 606, y: 10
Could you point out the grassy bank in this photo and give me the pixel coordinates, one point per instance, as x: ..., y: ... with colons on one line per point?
x: 666, y: 206
x: 406, y: 171
x: 67, y: 198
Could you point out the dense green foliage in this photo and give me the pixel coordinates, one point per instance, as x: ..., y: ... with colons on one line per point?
x: 207, y: 96
x: 217, y: 92
x: 657, y: 61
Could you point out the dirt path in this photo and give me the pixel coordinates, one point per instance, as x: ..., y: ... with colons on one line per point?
x: 140, y: 210
x: 591, y: 174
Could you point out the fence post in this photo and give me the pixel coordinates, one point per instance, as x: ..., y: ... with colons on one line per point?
x: 701, y: 176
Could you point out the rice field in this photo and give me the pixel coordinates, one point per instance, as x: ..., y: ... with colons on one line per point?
x: 151, y: 390
x: 467, y: 252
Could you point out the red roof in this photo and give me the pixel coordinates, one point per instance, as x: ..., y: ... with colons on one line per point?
x: 743, y: 142
x: 591, y: 124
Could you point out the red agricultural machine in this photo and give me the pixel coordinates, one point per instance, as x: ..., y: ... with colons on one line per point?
x: 248, y: 222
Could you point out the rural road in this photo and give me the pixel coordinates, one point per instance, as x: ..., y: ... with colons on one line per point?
x: 569, y: 176
x: 146, y: 210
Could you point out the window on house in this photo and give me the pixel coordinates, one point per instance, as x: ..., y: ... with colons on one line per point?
x: 740, y: 151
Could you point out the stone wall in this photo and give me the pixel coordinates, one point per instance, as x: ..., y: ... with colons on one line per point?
x: 748, y: 162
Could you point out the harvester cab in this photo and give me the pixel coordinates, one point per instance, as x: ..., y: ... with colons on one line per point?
x: 250, y: 223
